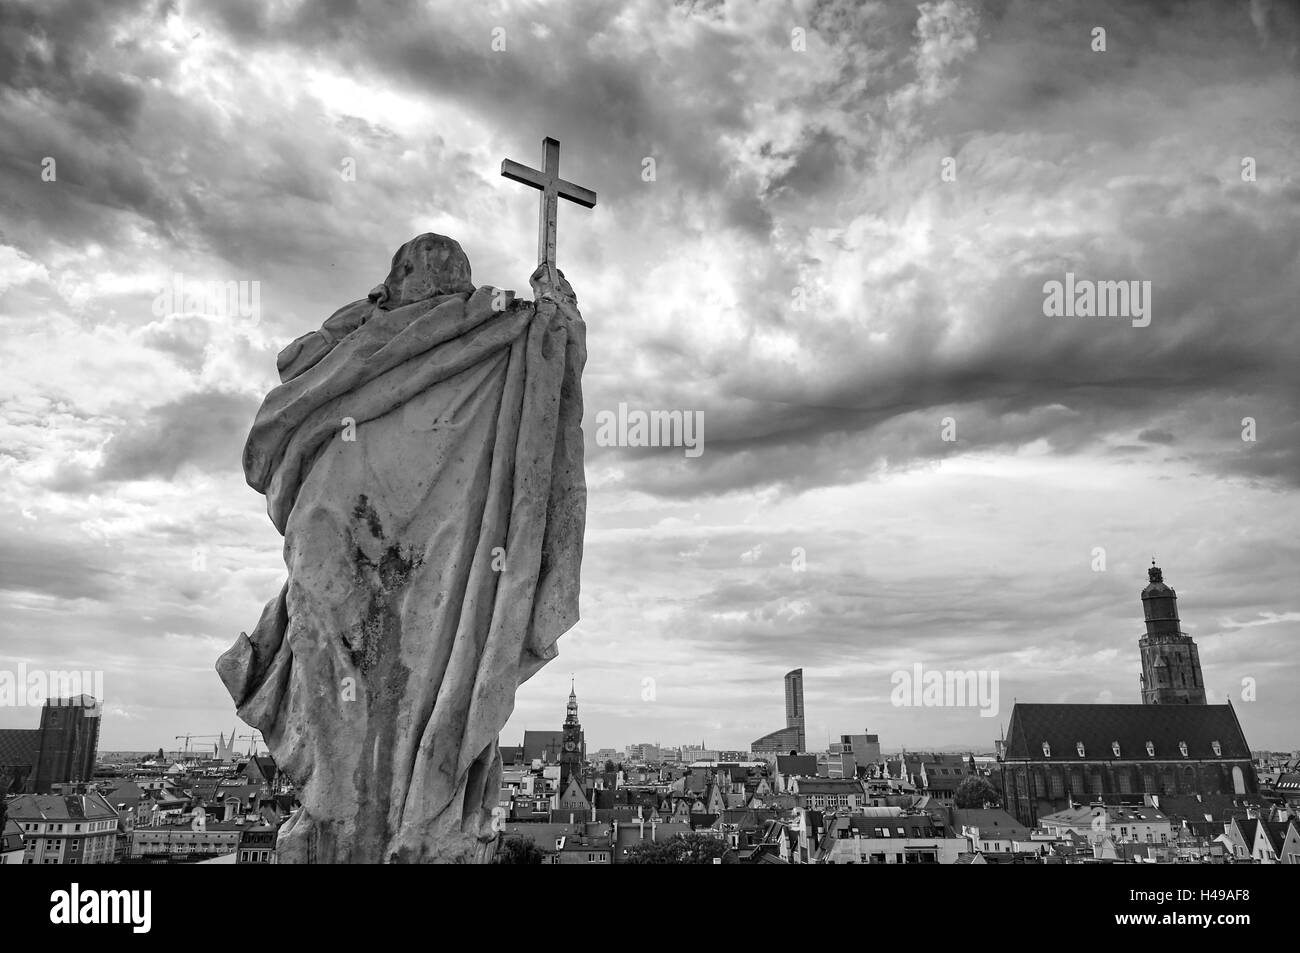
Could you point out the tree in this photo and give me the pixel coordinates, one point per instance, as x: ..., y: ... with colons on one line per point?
x: 690, y: 848
x: 976, y: 792
x: 609, y: 766
x: 653, y: 852
x: 700, y: 848
x: 518, y: 850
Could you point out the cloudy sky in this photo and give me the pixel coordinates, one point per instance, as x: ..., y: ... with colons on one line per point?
x: 799, y: 156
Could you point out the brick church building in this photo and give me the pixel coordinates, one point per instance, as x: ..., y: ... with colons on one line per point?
x: 61, y: 750
x: 1171, y: 743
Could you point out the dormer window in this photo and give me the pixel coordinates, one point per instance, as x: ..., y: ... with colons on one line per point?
x: 1047, y: 750
x: 1114, y: 747
x: 1078, y: 746
x: 1218, y: 748
x: 1151, y: 749
x: 1182, y: 748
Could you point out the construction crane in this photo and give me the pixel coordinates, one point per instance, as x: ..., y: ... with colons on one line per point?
x: 252, y: 745
x: 187, y: 740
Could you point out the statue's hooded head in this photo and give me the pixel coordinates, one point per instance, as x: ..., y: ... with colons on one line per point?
x: 425, y: 267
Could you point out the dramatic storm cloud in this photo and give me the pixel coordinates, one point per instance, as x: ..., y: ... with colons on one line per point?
x: 825, y: 227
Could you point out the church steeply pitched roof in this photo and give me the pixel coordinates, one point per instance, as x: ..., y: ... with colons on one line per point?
x: 538, y: 743
x: 1099, y: 726
x: 19, y: 745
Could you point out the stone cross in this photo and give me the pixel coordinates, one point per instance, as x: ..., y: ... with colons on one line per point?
x: 553, y: 188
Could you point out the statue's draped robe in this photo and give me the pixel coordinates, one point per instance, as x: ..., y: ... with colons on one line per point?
x: 433, y: 562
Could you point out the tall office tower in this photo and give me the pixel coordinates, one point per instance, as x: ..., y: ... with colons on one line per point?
x: 791, y: 737
x: 794, y: 715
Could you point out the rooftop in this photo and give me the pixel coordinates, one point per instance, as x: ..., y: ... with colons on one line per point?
x: 60, y: 807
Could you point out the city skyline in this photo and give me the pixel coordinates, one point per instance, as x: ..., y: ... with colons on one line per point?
x: 793, y: 718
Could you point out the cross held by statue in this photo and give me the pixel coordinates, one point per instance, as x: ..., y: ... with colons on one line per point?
x: 553, y: 188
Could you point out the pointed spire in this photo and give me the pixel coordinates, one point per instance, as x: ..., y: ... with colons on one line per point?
x: 571, y: 710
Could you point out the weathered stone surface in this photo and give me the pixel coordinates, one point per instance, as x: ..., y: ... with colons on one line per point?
x: 433, y: 560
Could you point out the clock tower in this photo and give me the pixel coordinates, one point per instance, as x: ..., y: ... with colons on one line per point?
x: 573, y: 748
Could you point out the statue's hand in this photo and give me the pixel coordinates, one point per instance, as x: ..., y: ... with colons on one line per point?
x: 563, y: 296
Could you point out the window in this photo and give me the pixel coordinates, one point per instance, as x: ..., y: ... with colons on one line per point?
x: 1238, y: 780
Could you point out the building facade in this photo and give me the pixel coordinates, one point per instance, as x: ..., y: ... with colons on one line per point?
x: 184, y: 842
x: 65, y: 829
x: 257, y: 844
x: 865, y: 747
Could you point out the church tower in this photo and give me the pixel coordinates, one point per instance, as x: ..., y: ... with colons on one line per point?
x: 1171, y: 665
x: 573, y: 751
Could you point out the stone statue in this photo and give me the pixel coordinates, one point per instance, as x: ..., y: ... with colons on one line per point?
x: 423, y: 458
